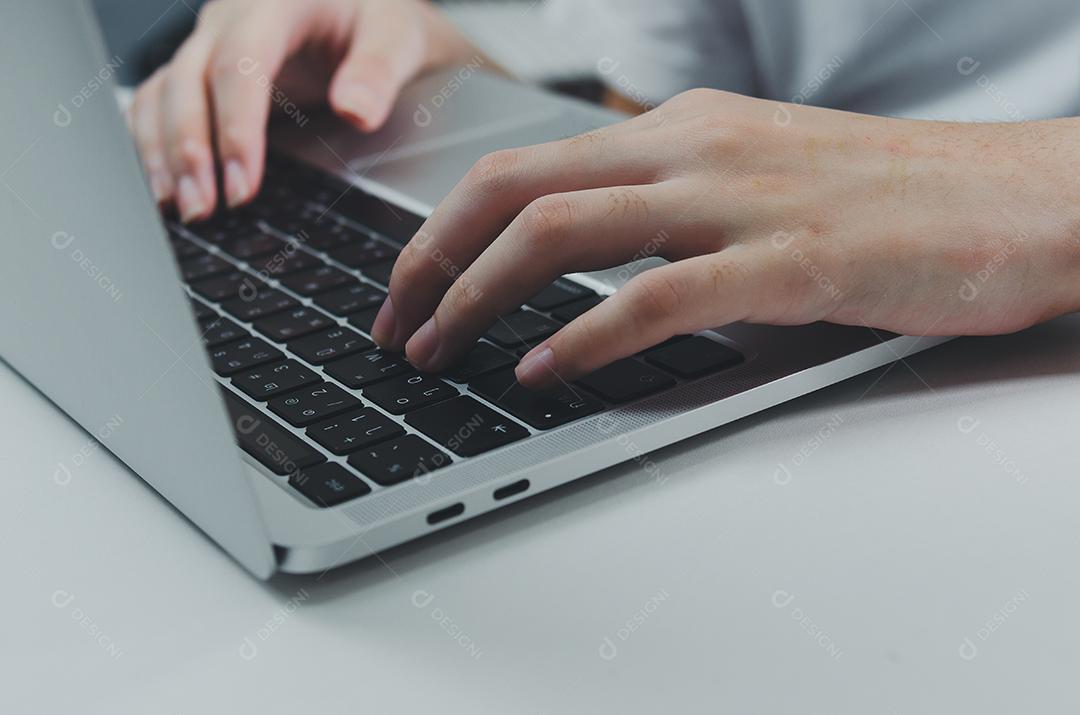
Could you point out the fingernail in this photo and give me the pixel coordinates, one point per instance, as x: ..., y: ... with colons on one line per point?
x: 536, y: 368
x: 358, y: 102
x: 189, y: 199
x: 384, y: 329
x: 236, y: 183
x: 421, y: 346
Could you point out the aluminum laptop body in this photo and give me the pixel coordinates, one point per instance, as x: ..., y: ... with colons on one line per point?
x: 95, y: 316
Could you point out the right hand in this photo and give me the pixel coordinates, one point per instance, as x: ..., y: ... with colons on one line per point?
x: 213, y: 99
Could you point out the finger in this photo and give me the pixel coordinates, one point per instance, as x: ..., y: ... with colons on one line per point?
x: 185, y: 128
x: 683, y: 297
x: 145, y: 119
x: 247, y: 56
x: 386, y: 51
x: 484, y: 203
x: 556, y: 234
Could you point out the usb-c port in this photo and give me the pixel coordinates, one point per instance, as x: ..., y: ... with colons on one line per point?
x: 448, y: 513
x: 511, y: 489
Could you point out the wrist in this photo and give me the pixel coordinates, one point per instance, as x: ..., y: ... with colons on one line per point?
x: 1030, y: 206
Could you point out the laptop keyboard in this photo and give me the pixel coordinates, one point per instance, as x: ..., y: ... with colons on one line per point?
x: 285, y: 291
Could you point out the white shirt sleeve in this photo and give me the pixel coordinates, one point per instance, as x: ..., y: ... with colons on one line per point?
x: 650, y: 50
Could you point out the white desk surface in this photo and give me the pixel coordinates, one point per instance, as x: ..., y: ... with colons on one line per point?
x: 919, y: 557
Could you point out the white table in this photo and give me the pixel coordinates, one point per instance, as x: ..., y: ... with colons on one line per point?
x: 919, y: 556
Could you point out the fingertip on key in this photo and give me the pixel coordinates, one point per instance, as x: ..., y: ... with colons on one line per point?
x: 423, y: 345
x: 384, y: 329
x: 537, y: 368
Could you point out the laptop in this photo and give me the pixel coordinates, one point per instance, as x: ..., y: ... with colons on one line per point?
x: 229, y: 363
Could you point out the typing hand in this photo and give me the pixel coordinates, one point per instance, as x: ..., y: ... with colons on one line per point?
x: 769, y: 213
x: 247, y: 58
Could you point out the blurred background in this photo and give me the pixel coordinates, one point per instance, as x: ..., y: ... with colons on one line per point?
x: 144, y: 33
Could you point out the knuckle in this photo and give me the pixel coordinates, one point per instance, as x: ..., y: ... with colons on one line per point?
x: 224, y: 66
x: 586, y: 330
x: 404, y: 269
x: 656, y: 296
x: 463, y: 298
x: 191, y: 153
x: 408, y: 261
x: 547, y: 219
x: 716, y: 138
x: 713, y: 125
x: 492, y: 172
x: 697, y: 96
x: 723, y: 272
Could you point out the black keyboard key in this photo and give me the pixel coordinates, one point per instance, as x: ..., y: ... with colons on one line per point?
x: 354, y: 430
x: 231, y: 358
x: 218, y: 331
x: 328, y: 484
x: 364, y: 320
x: 222, y: 226
x: 357, y: 371
x: 293, y: 324
x: 466, y: 427
x: 573, y: 311
x: 362, y: 253
x: 524, y: 349
x: 316, y: 280
x: 398, y: 460
x: 523, y: 326
x: 409, y: 392
x: 670, y: 341
x: 543, y: 409
x: 390, y: 221
x: 626, y: 380
x: 313, y: 403
x: 278, y: 202
x: 228, y: 286
x: 276, y: 448
x: 351, y: 299
x: 693, y: 357
x: 262, y: 383
x: 303, y: 224
x: 183, y: 249
x: 482, y: 358
x: 559, y: 293
x: 264, y: 302
x: 330, y: 344
x: 203, y: 266
x: 380, y: 272
x: 284, y: 263
x: 256, y: 244
x: 328, y: 234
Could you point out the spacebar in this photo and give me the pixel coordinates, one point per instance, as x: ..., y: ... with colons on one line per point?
x: 276, y: 448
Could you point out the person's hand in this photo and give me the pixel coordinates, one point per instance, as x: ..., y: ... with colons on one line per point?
x: 769, y: 213
x: 247, y: 57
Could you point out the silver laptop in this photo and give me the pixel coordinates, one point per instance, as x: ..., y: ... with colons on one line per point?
x: 229, y: 364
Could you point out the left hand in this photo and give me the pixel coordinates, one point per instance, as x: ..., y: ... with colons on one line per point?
x: 769, y: 213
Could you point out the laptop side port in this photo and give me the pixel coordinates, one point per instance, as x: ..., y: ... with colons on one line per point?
x: 446, y: 513
x: 511, y: 489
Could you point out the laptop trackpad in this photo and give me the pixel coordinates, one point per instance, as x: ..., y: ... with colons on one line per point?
x: 427, y: 173
x: 440, y: 126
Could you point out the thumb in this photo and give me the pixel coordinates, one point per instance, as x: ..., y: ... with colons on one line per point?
x: 387, y: 50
